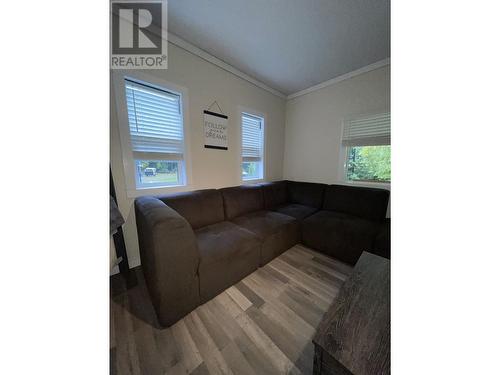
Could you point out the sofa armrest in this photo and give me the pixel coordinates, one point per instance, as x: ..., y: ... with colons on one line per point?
x: 169, y: 258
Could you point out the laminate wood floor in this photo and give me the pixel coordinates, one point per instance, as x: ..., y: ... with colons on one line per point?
x: 262, y: 325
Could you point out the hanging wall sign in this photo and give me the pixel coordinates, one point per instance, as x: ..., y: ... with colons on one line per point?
x: 215, y: 126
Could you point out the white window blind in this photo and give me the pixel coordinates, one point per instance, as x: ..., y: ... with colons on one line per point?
x: 368, y: 130
x: 252, y: 147
x: 155, y: 122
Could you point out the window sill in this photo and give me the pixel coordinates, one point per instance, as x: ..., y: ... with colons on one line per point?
x: 367, y: 183
x: 253, y: 181
x: 157, y: 190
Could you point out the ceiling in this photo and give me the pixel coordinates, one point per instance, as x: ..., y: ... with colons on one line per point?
x: 289, y: 45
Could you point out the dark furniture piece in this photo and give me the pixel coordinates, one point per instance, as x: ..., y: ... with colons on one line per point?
x: 194, y: 245
x: 118, y: 239
x: 345, y: 226
x: 354, y: 336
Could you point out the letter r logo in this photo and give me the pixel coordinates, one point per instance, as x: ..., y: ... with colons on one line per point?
x: 136, y: 28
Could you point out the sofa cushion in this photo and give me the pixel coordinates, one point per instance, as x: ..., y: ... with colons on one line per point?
x: 277, y: 231
x: 298, y: 211
x: 228, y: 253
x: 199, y: 208
x: 306, y: 193
x: 275, y: 194
x: 368, y: 203
x: 339, y: 235
x: 240, y: 200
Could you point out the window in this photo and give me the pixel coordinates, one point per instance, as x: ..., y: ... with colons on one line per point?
x: 156, y: 135
x: 368, y: 143
x: 252, y: 147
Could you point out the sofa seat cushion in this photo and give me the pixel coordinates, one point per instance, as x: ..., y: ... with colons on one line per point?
x: 339, y: 235
x: 298, y: 211
x: 278, y: 232
x: 228, y: 253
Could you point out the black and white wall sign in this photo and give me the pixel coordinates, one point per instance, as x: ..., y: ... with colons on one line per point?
x: 215, y: 126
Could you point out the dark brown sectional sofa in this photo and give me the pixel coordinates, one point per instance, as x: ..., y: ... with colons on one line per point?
x: 194, y: 245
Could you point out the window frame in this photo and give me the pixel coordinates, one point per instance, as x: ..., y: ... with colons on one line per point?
x: 129, y: 165
x: 245, y: 110
x: 344, y: 157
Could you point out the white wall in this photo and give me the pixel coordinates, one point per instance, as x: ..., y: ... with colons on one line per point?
x: 205, y: 83
x: 314, y: 124
x: 306, y: 149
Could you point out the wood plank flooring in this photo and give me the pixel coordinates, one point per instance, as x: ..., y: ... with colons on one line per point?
x: 262, y: 325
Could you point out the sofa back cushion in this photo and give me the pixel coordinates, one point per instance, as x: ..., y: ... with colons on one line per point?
x: 240, y: 200
x: 368, y: 203
x: 200, y: 207
x: 306, y: 193
x: 275, y: 194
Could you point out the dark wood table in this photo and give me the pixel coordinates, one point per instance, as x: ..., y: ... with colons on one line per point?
x: 354, y: 336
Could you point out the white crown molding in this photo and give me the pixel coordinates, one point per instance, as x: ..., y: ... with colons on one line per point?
x: 181, y: 43
x: 365, y: 69
x: 174, y: 39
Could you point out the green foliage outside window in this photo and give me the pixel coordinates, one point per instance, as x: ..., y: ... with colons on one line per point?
x: 249, y: 169
x: 369, y: 163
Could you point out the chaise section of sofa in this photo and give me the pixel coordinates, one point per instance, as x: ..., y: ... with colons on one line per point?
x: 244, y: 206
x: 348, y: 222
x: 382, y: 243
